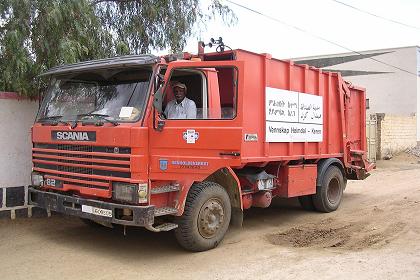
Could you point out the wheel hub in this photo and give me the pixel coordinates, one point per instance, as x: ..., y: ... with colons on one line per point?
x: 210, y: 218
x: 333, y: 192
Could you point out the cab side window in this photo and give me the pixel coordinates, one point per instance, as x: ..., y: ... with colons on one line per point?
x: 227, y: 82
x: 201, y: 93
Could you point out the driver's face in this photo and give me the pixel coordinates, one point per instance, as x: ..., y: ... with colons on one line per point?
x: 179, y: 94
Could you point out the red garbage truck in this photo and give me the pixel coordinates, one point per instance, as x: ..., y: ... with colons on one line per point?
x: 105, y: 148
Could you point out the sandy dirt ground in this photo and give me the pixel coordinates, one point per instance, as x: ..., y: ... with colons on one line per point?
x: 374, y: 235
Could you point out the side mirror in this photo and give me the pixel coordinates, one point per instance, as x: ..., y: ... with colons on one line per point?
x: 157, y: 103
x: 157, y: 100
x: 40, y: 98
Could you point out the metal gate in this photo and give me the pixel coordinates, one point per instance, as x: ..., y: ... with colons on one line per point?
x: 371, y: 137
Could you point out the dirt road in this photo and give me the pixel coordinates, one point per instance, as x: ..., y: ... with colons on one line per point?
x: 374, y: 235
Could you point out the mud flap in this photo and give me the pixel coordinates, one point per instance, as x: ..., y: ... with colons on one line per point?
x: 237, y: 217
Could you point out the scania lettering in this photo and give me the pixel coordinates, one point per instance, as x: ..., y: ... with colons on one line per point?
x: 104, y: 150
x: 79, y: 136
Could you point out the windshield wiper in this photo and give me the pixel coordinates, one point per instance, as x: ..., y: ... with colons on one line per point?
x: 53, y: 120
x: 100, y: 116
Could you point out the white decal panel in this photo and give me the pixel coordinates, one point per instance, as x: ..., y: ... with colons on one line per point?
x: 251, y: 137
x: 190, y: 136
x: 293, y: 116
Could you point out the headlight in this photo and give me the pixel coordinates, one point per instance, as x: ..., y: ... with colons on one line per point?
x: 37, y: 179
x: 134, y: 193
x: 142, y: 193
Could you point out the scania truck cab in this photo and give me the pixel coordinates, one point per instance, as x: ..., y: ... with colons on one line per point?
x: 104, y: 150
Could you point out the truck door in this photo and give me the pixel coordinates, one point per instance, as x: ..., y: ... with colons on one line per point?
x: 190, y: 149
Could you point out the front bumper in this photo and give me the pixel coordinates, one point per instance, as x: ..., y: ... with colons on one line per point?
x: 142, y: 215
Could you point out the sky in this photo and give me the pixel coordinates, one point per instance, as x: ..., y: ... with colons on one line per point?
x: 335, y: 22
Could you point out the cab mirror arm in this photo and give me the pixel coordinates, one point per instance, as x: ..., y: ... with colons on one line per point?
x: 159, y: 80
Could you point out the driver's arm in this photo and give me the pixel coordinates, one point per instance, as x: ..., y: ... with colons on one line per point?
x: 191, y: 110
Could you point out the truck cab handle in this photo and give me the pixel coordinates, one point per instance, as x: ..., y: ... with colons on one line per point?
x: 235, y: 154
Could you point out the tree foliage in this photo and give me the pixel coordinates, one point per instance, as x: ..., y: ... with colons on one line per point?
x: 36, y: 35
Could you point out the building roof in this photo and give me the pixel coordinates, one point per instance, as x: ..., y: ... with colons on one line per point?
x: 352, y: 53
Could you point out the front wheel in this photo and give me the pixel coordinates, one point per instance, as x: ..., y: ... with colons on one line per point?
x: 330, y: 193
x: 206, y: 217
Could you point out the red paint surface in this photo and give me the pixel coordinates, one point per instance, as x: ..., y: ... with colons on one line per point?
x: 297, y: 180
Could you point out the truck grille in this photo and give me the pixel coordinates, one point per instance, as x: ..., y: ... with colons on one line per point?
x: 81, y: 165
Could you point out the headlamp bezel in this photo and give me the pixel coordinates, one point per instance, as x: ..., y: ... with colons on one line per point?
x: 129, y: 192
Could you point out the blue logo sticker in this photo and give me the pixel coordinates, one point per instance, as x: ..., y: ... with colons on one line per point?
x: 163, y: 164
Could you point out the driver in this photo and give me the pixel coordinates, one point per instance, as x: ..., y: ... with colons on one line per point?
x: 181, y: 107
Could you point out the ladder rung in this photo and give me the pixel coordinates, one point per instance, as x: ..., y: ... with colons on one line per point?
x: 165, y: 211
x: 165, y: 189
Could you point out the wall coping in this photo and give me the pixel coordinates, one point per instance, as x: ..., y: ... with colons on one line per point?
x: 15, y: 96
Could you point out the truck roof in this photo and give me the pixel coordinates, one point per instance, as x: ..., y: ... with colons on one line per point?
x: 127, y: 60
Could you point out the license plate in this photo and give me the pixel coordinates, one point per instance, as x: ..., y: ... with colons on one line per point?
x: 53, y: 183
x: 97, y: 211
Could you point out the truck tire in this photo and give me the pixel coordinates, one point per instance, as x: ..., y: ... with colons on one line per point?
x: 306, y: 202
x: 329, y: 194
x: 206, y: 217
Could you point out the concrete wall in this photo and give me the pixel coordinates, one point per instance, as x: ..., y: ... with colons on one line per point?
x: 395, y: 134
x: 16, y: 118
x: 418, y: 96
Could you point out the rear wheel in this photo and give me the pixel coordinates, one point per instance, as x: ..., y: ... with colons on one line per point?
x: 330, y: 193
x: 206, y: 217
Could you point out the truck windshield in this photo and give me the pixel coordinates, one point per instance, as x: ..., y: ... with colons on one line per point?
x: 117, y: 94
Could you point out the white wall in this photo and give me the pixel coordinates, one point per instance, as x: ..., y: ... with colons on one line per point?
x: 392, y: 91
x: 16, y: 119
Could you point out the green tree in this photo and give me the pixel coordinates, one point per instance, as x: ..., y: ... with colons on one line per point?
x: 36, y: 35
